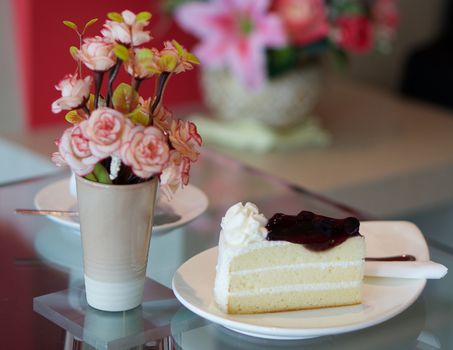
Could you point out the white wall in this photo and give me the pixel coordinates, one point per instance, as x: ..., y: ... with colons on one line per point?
x: 11, y: 113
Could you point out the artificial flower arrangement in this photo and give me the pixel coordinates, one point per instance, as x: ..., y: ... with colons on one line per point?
x: 121, y: 137
x: 260, y: 39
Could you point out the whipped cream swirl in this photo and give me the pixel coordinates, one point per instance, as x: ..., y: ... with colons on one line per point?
x: 243, y: 224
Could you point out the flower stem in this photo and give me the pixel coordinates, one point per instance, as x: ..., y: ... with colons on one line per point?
x: 86, y: 110
x: 98, y: 83
x: 136, y: 84
x: 160, y: 89
x: 112, y: 76
x: 79, y: 62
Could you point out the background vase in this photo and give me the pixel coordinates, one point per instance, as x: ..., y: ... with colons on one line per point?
x: 115, y: 226
x: 283, y: 101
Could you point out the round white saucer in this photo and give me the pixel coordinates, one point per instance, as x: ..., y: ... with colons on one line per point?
x: 186, y: 205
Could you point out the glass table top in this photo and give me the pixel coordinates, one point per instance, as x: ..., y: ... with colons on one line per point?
x: 41, y: 266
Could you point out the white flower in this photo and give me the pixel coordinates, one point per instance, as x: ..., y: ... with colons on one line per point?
x: 128, y: 32
x: 97, y: 54
x: 74, y: 93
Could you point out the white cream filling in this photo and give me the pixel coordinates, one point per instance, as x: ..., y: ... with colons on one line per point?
x: 321, y: 266
x: 297, y: 288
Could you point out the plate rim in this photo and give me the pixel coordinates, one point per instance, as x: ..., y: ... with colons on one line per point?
x: 285, y: 333
x: 158, y: 229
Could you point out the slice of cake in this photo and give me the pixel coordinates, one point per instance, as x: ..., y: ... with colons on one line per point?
x: 287, y: 263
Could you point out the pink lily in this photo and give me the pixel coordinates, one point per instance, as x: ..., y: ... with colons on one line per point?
x: 234, y: 34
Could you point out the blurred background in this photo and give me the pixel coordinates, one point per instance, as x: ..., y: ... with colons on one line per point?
x: 34, y: 51
x: 388, y: 114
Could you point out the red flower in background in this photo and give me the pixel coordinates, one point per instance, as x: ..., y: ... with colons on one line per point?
x: 354, y: 33
x: 305, y: 20
x: 386, y: 19
x: 385, y: 14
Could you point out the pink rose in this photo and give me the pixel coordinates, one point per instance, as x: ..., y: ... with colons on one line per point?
x: 74, y: 93
x: 127, y: 31
x: 97, y: 54
x: 145, y: 150
x: 305, y: 20
x: 175, y: 174
x: 74, y: 148
x: 354, y: 33
x: 185, y: 138
x: 104, y: 130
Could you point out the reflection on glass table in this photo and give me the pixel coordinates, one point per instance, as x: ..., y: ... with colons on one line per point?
x: 40, y: 257
x: 146, y: 325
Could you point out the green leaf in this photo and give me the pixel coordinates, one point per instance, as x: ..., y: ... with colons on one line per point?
x: 115, y: 16
x: 70, y: 24
x: 102, y: 174
x: 168, y: 63
x: 74, y: 117
x: 144, y: 54
x: 121, y: 52
x: 153, y: 70
x: 138, y: 116
x: 169, y: 6
x: 90, y: 23
x: 74, y: 51
x: 178, y: 47
x: 90, y: 102
x: 192, y: 58
x: 144, y: 57
x: 143, y: 16
x: 351, y: 8
x: 340, y: 58
x: 91, y: 177
x: 281, y: 60
x: 125, y: 98
x: 184, y: 53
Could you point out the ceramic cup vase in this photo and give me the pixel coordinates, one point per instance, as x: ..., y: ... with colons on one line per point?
x: 115, y: 226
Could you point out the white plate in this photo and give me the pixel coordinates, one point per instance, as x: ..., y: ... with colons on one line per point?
x: 383, y: 298
x: 188, y: 203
